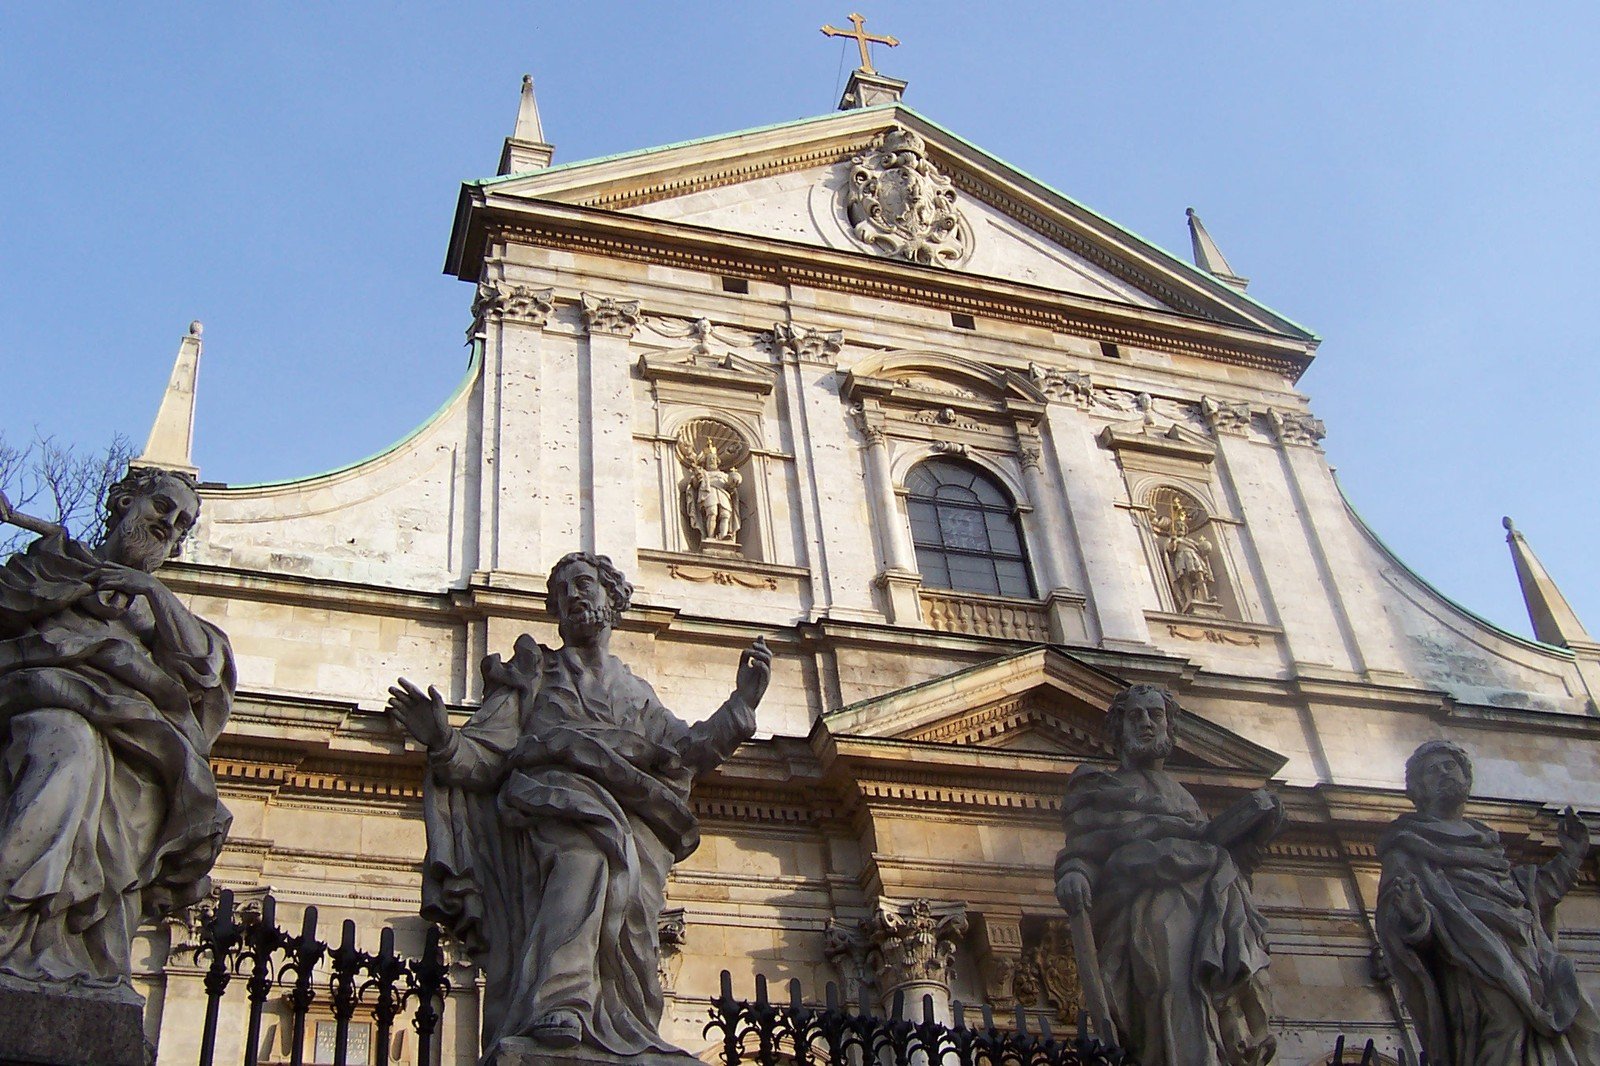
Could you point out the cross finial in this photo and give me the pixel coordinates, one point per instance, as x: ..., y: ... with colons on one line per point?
x: 862, y: 38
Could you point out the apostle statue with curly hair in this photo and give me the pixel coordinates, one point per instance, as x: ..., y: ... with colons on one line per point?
x: 1470, y: 937
x: 553, y: 817
x: 1178, y: 944
x: 111, y: 695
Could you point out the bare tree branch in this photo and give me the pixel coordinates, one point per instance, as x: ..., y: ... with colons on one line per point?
x: 59, y: 483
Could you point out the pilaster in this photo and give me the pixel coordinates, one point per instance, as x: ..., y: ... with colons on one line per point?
x: 605, y: 387
x: 1047, y: 531
x: 898, y: 576
x: 1107, y: 541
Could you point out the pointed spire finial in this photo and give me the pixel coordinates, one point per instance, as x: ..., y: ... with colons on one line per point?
x: 526, y: 148
x: 1554, y: 620
x: 171, y: 441
x: 1208, y: 257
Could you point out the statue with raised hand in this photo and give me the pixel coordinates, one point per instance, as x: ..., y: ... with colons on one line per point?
x: 111, y: 695
x: 553, y: 817
x: 1470, y: 937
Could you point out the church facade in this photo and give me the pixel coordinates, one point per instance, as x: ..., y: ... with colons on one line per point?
x: 972, y: 458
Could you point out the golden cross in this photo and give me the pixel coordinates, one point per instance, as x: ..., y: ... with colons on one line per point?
x: 862, y: 38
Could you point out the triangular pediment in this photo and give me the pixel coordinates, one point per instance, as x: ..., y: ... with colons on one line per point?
x: 800, y: 184
x: 1038, y: 701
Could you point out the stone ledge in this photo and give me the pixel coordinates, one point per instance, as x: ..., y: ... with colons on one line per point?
x: 47, y: 1029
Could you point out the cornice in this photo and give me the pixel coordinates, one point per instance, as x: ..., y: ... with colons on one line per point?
x: 579, y: 229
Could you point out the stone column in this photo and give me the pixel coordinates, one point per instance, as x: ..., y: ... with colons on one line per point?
x: 1109, y: 544
x: 899, y: 576
x: 911, y: 949
x: 606, y: 395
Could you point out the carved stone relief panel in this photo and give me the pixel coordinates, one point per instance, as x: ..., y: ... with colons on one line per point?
x: 899, y: 204
x: 672, y: 932
x: 1047, y: 972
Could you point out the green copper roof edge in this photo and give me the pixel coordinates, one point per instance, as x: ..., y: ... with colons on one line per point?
x: 473, y: 366
x: 1191, y: 268
x: 1516, y: 638
x: 634, y: 152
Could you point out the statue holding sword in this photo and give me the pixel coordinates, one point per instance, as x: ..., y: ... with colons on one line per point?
x: 1171, y: 949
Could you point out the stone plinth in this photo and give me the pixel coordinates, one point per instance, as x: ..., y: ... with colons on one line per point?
x: 42, y: 1029
x: 521, y: 1051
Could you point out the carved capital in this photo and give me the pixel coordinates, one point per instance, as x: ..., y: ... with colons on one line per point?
x: 998, y: 947
x: 809, y: 345
x: 1296, y: 427
x: 502, y: 299
x: 869, y: 416
x: 672, y: 932
x: 1030, y: 449
x: 914, y: 942
x: 1224, y: 417
x: 845, y: 947
x: 602, y: 314
x: 1064, y: 386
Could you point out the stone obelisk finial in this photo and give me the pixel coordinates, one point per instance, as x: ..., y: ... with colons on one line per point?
x: 526, y: 148
x: 1554, y: 620
x: 171, y: 443
x: 1208, y: 257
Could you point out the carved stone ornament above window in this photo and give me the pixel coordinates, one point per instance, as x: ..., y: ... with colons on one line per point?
x: 899, y: 204
x: 1146, y: 434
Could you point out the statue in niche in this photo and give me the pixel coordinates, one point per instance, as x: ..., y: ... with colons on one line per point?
x: 711, y: 453
x: 1187, y: 556
x: 898, y: 203
x: 1163, y: 923
x: 553, y: 816
x: 1470, y: 938
x: 111, y: 695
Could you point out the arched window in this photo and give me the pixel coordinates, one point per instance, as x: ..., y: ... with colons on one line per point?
x: 965, y: 531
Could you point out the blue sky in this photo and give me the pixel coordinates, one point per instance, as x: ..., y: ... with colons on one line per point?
x: 1415, y: 182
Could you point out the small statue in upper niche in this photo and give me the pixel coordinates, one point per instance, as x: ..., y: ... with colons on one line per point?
x: 1186, y: 556
x: 900, y: 204
x: 711, y: 452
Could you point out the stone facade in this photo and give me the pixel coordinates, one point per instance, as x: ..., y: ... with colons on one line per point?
x: 915, y: 742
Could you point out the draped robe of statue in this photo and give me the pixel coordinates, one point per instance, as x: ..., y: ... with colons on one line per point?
x: 553, y: 817
x: 1481, y: 975
x: 1181, y: 945
x: 108, y: 810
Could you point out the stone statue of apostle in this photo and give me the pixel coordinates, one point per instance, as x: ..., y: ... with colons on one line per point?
x: 1469, y: 936
x: 1181, y: 947
x: 553, y: 817
x: 111, y: 695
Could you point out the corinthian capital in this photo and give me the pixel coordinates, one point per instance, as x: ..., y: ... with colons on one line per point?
x: 914, y: 942
x: 813, y: 345
x: 602, y: 314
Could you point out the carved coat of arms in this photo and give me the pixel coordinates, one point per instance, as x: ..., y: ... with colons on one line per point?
x: 898, y: 203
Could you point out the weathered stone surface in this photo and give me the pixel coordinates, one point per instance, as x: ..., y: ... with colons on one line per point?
x: 1468, y: 936
x: 553, y: 817
x: 111, y: 695
x: 45, y: 1029
x: 518, y: 1051
x: 1155, y: 887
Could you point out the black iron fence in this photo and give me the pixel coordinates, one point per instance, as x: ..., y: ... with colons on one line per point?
x: 762, y: 1032
x: 253, y: 947
x: 767, y: 1033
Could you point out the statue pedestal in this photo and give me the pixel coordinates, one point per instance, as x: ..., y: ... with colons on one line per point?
x: 47, y: 1029
x: 520, y: 1051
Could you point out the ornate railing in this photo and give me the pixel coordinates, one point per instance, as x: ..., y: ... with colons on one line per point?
x: 766, y: 1033
x: 985, y: 616
x: 267, y: 957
